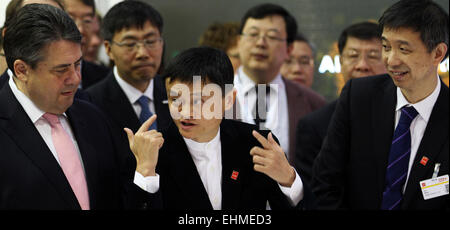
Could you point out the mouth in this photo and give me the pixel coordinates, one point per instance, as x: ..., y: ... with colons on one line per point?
x: 260, y: 56
x: 143, y: 66
x: 68, y: 93
x: 186, y: 125
x: 398, y: 75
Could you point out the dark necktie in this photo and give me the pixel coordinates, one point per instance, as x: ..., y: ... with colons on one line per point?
x: 398, y: 162
x: 145, y: 111
x: 261, y: 106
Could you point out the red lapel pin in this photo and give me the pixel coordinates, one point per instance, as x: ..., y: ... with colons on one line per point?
x: 234, y: 175
x: 424, y: 161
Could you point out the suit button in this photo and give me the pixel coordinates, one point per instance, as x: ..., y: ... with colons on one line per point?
x: 144, y: 206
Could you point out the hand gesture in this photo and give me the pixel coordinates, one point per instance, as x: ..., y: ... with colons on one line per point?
x: 271, y: 160
x: 145, y: 145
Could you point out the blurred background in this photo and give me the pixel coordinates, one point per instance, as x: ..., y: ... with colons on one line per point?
x: 320, y: 21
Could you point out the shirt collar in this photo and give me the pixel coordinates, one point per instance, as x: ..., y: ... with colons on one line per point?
x: 200, y: 150
x: 245, y: 84
x: 33, y: 112
x: 131, y: 92
x: 423, y: 107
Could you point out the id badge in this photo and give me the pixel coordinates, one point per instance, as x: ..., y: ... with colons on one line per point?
x: 434, y: 187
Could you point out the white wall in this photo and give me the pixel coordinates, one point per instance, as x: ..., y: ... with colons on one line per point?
x: 3, y: 5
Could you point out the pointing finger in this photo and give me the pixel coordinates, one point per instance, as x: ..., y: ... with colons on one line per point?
x: 146, y: 125
x: 265, y: 144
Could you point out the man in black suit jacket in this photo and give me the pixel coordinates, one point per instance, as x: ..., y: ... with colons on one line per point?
x: 31, y: 174
x: 354, y: 167
x: 360, y: 56
x: 4, y: 78
x: 208, y: 162
x: 134, y: 74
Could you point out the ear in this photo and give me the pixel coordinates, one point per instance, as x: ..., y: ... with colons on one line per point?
x: 21, y: 70
x: 108, y: 49
x: 290, y: 47
x: 230, y: 98
x: 439, y: 53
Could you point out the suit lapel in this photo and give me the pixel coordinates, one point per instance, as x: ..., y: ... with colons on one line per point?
x: 119, y: 107
x: 185, y: 172
x: 435, y: 135
x: 90, y: 162
x: 383, y: 112
x: 16, y: 123
x: 231, y: 163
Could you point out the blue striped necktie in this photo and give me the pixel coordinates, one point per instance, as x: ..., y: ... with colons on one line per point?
x: 145, y: 111
x: 398, y: 162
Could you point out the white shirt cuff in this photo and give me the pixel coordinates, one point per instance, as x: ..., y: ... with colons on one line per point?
x: 149, y: 184
x: 295, y: 193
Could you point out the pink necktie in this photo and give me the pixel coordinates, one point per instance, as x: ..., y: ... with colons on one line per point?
x: 69, y: 160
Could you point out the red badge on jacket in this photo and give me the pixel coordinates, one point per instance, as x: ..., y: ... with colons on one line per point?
x: 234, y: 175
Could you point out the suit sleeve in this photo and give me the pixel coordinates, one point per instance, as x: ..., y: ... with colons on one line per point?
x: 308, y: 146
x: 329, y: 167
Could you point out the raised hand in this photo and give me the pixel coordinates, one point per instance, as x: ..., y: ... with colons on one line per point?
x: 145, y: 145
x: 272, y: 161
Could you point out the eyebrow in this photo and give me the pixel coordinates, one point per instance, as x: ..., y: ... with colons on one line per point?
x: 66, y: 65
x: 150, y: 34
x: 401, y: 42
x: 269, y: 30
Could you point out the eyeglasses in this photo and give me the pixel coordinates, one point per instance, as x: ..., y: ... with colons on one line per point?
x: 352, y: 57
x: 134, y: 45
x: 302, y: 61
x: 253, y: 37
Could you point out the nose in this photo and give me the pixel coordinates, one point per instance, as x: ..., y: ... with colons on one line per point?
x: 261, y: 40
x: 391, y: 59
x: 74, y: 77
x: 142, y: 52
x: 362, y: 65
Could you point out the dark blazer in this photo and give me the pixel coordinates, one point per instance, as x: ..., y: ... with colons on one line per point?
x: 110, y: 98
x: 181, y: 185
x: 301, y: 101
x: 311, y: 132
x: 92, y: 73
x: 31, y: 178
x: 350, y: 169
x: 4, y: 79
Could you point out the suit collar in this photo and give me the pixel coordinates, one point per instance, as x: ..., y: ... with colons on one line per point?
x: 186, y: 175
x: 434, y: 137
x: 383, y: 112
x: 16, y: 124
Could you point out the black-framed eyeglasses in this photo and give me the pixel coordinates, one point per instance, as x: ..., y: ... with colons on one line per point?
x: 253, y: 37
x: 134, y: 45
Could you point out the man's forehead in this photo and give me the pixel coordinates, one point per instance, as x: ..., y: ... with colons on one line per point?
x: 270, y: 22
x: 356, y: 43
x: 147, y: 29
x: 49, y: 2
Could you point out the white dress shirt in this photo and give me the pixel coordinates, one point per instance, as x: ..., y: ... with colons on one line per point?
x: 419, y: 124
x: 277, y: 115
x: 41, y: 124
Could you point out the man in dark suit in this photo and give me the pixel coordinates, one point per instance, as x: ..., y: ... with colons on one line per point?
x: 208, y: 162
x: 360, y: 56
x: 267, y: 32
x: 388, y: 142
x: 132, y: 32
x: 57, y: 152
x: 83, y: 13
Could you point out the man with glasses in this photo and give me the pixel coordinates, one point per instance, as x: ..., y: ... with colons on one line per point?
x: 133, y: 92
x: 299, y: 67
x: 83, y: 13
x: 267, y: 32
x: 360, y: 56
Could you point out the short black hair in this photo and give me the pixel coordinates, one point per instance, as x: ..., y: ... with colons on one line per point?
x: 34, y: 28
x: 268, y: 9
x: 129, y: 14
x: 363, y: 31
x: 213, y: 65
x: 423, y: 16
x: 302, y: 38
